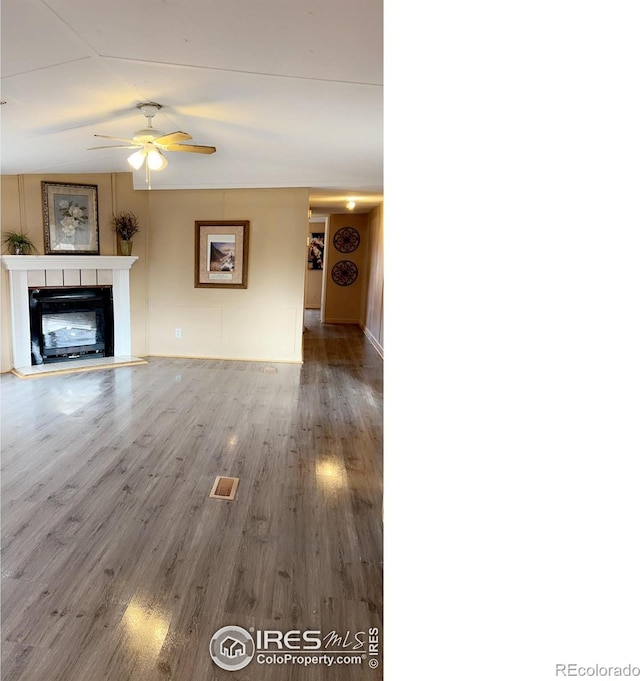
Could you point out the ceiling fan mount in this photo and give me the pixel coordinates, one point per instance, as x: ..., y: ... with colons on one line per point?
x: 148, y: 134
x: 149, y: 109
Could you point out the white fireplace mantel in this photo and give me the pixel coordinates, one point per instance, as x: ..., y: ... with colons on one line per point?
x: 67, y: 270
x: 68, y: 262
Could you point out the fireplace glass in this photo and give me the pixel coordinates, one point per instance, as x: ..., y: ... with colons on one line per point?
x: 69, y: 329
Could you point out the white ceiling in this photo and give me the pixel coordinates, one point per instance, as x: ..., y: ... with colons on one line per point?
x: 288, y: 91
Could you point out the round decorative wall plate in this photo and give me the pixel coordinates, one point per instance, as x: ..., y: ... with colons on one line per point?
x: 346, y: 239
x: 344, y: 273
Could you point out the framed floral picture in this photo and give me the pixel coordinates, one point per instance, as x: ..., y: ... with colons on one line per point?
x: 70, y: 214
x: 222, y: 253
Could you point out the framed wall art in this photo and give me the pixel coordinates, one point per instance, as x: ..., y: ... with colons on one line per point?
x: 315, y: 256
x: 222, y: 253
x: 70, y: 213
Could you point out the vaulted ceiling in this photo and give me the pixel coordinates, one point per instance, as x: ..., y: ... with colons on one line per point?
x: 289, y: 91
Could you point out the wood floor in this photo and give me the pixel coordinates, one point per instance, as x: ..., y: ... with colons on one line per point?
x: 117, y: 565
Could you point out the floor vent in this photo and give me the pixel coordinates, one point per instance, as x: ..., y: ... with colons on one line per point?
x: 270, y: 370
x: 224, y: 488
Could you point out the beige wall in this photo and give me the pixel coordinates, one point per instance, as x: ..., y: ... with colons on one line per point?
x: 263, y: 322
x: 125, y: 198
x: 10, y: 214
x: 373, y: 323
x: 344, y: 304
x: 313, y: 295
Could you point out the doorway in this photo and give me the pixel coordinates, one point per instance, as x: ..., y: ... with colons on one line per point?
x: 314, y: 289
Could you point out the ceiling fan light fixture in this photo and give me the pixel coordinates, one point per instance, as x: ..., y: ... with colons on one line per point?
x: 137, y: 159
x: 156, y: 160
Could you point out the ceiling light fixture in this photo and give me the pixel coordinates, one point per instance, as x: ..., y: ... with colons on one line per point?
x: 351, y: 205
x: 137, y: 159
x: 156, y: 160
x: 151, y: 157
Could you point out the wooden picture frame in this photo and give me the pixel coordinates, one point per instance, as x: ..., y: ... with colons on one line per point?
x: 222, y: 253
x: 70, y: 213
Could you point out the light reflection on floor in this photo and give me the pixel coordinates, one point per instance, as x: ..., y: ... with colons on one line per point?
x: 145, y: 628
x: 330, y: 474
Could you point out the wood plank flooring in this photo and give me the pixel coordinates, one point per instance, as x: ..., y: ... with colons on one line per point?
x: 117, y: 565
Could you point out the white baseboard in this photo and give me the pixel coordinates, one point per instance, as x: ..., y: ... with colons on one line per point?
x: 227, y: 359
x: 369, y: 336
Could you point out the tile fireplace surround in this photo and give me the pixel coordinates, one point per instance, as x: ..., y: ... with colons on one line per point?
x: 27, y: 271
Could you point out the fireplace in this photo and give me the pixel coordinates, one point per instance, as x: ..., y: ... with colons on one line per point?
x: 71, y: 272
x: 70, y: 323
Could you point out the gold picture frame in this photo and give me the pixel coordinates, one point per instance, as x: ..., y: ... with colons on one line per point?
x: 70, y: 214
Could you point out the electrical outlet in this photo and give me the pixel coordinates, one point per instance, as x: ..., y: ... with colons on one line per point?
x: 178, y: 333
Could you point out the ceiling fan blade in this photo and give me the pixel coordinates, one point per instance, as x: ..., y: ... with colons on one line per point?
x: 116, y: 146
x: 190, y: 147
x: 120, y: 139
x: 172, y: 138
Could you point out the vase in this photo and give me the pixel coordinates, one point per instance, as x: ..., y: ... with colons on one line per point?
x: 124, y: 246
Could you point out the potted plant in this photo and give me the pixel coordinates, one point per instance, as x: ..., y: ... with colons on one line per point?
x: 125, y: 225
x: 18, y: 243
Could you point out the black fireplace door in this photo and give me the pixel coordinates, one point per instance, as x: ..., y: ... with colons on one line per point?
x: 70, y: 323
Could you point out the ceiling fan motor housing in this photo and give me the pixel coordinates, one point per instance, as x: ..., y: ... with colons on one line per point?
x: 146, y: 135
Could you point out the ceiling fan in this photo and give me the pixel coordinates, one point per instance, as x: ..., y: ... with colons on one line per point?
x: 150, y: 143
